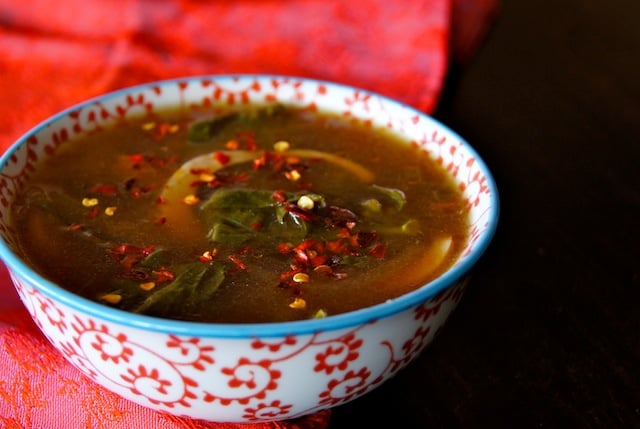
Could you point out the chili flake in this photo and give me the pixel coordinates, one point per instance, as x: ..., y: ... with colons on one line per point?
x: 378, y: 251
x: 238, y: 262
x: 222, y: 158
x: 232, y: 145
x: 93, y: 213
x: 136, y: 158
x: 208, y: 255
x: 105, y: 189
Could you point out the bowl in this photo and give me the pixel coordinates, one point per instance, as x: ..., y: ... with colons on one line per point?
x: 245, y: 372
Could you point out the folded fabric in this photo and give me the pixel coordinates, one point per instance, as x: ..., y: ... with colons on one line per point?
x: 55, y: 54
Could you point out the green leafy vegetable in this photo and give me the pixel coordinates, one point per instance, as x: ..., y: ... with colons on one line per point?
x: 235, y: 216
x: 194, y: 283
x: 203, y: 131
x: 395, y: 196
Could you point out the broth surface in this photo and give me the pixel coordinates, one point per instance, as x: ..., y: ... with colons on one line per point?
x: 284, y: 215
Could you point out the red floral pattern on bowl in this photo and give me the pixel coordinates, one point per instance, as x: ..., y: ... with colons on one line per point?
x: 246, y: 373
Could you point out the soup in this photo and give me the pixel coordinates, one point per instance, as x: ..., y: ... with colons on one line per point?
x: 264, y: 214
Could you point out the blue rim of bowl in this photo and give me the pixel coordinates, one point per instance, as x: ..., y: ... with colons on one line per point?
x: 263, y: 330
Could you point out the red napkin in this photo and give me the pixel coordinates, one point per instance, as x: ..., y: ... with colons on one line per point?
x: 54, y: 54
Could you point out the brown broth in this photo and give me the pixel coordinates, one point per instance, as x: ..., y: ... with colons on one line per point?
x: 82, y: 247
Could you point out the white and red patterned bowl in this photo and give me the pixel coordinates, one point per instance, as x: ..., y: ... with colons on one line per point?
x: 254, y: 372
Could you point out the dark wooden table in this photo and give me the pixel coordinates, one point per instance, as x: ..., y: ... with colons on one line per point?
x: 548, y: 334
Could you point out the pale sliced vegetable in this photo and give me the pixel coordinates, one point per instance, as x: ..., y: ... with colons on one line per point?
x: 358, y: 170
x: 431, y: 260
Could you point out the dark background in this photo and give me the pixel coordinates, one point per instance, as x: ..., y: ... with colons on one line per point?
x: 548, y: 333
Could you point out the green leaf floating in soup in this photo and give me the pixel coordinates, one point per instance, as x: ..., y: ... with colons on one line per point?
x: 260, y: 215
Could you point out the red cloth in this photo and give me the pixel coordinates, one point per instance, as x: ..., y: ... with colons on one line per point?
x: 54, y: 54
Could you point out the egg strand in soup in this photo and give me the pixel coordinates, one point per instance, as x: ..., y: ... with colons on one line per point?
x: 258, y: 215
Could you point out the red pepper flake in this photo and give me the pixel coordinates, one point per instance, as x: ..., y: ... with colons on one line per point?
x: 156, y: 162
x: 161, y: 200
x: 344, y: 233
x: 105, y: 189
x: 93, y: 213
x: 159, y: 131
x: 284, y: 248
x: 248, y: 138
x: 301, y: 213
x: 75, y: 227
x: 238, y: 262
x: 378, y: 251
x: 161, y: 221
x: 341, y: 217
x: 288, y: 275
x: 300, y: 256
x: 305, y: 186
x: 162, y: 130
x: 244, y: 250
x: 222, y: 158
x: 251, y: 144
x: 241, y: 177
x: 336, y: 246
x: 128, y: 255
x: 208, y: 255
x: 129, y: 249
x: 307, y: 244
x: 279, y: 196
x: 319, y: 260
x: 136, y: 160
x: 256, y: 226
x: 258, y: 163
x: 163, y: 275
x: 232, y: 144
x: 199, y: 171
